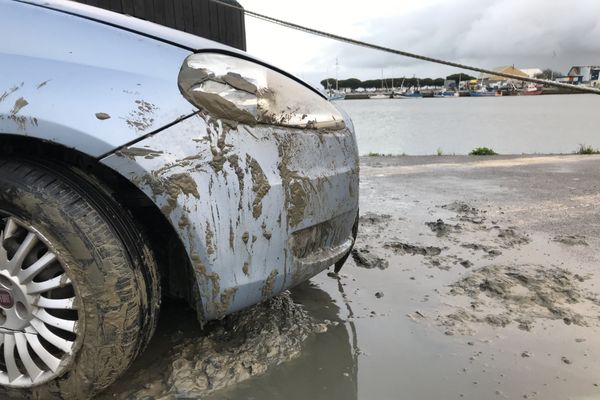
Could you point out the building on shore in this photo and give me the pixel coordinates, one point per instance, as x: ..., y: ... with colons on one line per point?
x: 496, y: 80
x: 588, y: 75
x: 532, y: 72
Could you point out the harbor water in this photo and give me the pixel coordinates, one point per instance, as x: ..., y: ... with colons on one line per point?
x: 546, y: 124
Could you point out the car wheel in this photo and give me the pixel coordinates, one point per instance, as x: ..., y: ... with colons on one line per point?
x: 79, y: 288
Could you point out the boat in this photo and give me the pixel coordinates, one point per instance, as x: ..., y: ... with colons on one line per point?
x: 484, y: 92
x: 532, y: 90
x: 335, y: 94
x: 340, y: 96
x: 411, y: 93
x: 445, y: 93
x: 383, y: 94
x: 379, y: 96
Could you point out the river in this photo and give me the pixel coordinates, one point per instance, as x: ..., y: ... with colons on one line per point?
x: 510, y: 125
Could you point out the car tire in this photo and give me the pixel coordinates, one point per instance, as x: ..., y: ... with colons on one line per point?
x: 108, y: 278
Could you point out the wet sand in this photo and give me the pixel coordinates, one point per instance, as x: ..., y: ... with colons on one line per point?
x: 471, y: 278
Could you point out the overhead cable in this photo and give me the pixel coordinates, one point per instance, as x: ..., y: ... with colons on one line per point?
x: 360, y: 43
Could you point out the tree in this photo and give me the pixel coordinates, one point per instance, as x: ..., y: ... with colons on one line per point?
x: 549, y: 74
x: 460, y: 76
x: 353, y: 83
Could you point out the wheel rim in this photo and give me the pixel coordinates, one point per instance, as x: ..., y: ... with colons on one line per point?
x: 38, y: 308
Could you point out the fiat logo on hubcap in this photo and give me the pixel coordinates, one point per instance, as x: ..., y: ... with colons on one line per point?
x: 6, y: 300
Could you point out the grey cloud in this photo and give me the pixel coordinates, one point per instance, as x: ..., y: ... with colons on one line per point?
x: 489, y: 33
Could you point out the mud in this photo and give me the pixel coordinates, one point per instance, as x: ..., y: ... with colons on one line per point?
x: 237, y: 81
x: 141, y: 117
x: 10, y: 91
x: 102, y: 116
x: 42, y: 84
x: 522, y: 294
x: 242, y: 346
x: 503, y: 304
x: 267, y: 289
x: 441, y: 228
x: 571, y: 240
x: 181, y: 183
x: 260, y: 186
x: 491, y: 251
x: 363, y: 258
x: 132, y: 152
x: 222, y: 109
x: 373, y: 218
x: 413, y: 250
x: 19, y: 104
x: 297, y: 186
x: 511, y: 238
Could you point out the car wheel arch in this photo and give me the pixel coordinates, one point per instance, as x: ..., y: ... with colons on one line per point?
x: 177, y: 277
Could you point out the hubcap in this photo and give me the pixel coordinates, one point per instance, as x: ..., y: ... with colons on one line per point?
x: 38, y: 313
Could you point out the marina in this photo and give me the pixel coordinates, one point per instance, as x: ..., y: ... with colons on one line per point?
x: 463, y: 85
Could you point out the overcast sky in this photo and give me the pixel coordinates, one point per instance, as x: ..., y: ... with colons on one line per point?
x: 487, y: 33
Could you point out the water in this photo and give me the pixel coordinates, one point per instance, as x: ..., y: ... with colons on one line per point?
x: 509, y: 125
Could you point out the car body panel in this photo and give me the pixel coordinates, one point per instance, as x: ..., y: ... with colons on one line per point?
x: 260, y: 209
x: 150, y: 29
x: 257, y: 208
x: 64, y: 93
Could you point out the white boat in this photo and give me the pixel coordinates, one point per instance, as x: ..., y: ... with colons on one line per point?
x: 332, y: 96
x: 445, y: 94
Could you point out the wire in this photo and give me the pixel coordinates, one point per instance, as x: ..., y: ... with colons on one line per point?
x: 355, y: 42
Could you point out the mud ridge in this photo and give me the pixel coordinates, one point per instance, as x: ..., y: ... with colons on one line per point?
x: 521, y: 294
x: 440, y: 228
x: 461, y: 208
x: 370, y: 218
x: 365, y: 259
x: 241, y: 346
x: 571, y: 240
x: 406, y: 248
x: 510, y: 238
x: 491, y: 251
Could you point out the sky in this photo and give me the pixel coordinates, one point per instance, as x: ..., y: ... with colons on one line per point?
x: 487, y: 33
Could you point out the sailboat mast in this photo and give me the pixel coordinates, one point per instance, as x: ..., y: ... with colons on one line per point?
x: 336, y: 74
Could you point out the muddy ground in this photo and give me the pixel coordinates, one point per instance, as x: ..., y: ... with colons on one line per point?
x: 472, y: 278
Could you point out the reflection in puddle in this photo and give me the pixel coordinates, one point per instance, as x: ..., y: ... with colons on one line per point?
x: 327, y: 367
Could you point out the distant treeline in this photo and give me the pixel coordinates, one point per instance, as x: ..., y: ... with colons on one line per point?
x: 354, y: 83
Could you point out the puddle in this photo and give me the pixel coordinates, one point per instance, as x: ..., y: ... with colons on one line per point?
x: 183, y: 362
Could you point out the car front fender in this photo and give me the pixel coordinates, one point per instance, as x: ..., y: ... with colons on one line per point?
x: 83, y: 84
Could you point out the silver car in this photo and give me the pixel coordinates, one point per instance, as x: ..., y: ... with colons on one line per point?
x: 137, y: 161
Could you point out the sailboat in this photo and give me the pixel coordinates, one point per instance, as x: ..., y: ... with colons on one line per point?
x: 335, y: 94
x: 382, y: 94
x: 411, y: 93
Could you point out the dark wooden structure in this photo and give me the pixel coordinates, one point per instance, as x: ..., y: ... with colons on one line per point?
x: 200, y: 17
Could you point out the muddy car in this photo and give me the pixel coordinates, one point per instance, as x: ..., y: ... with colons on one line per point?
x: 137, y: 162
